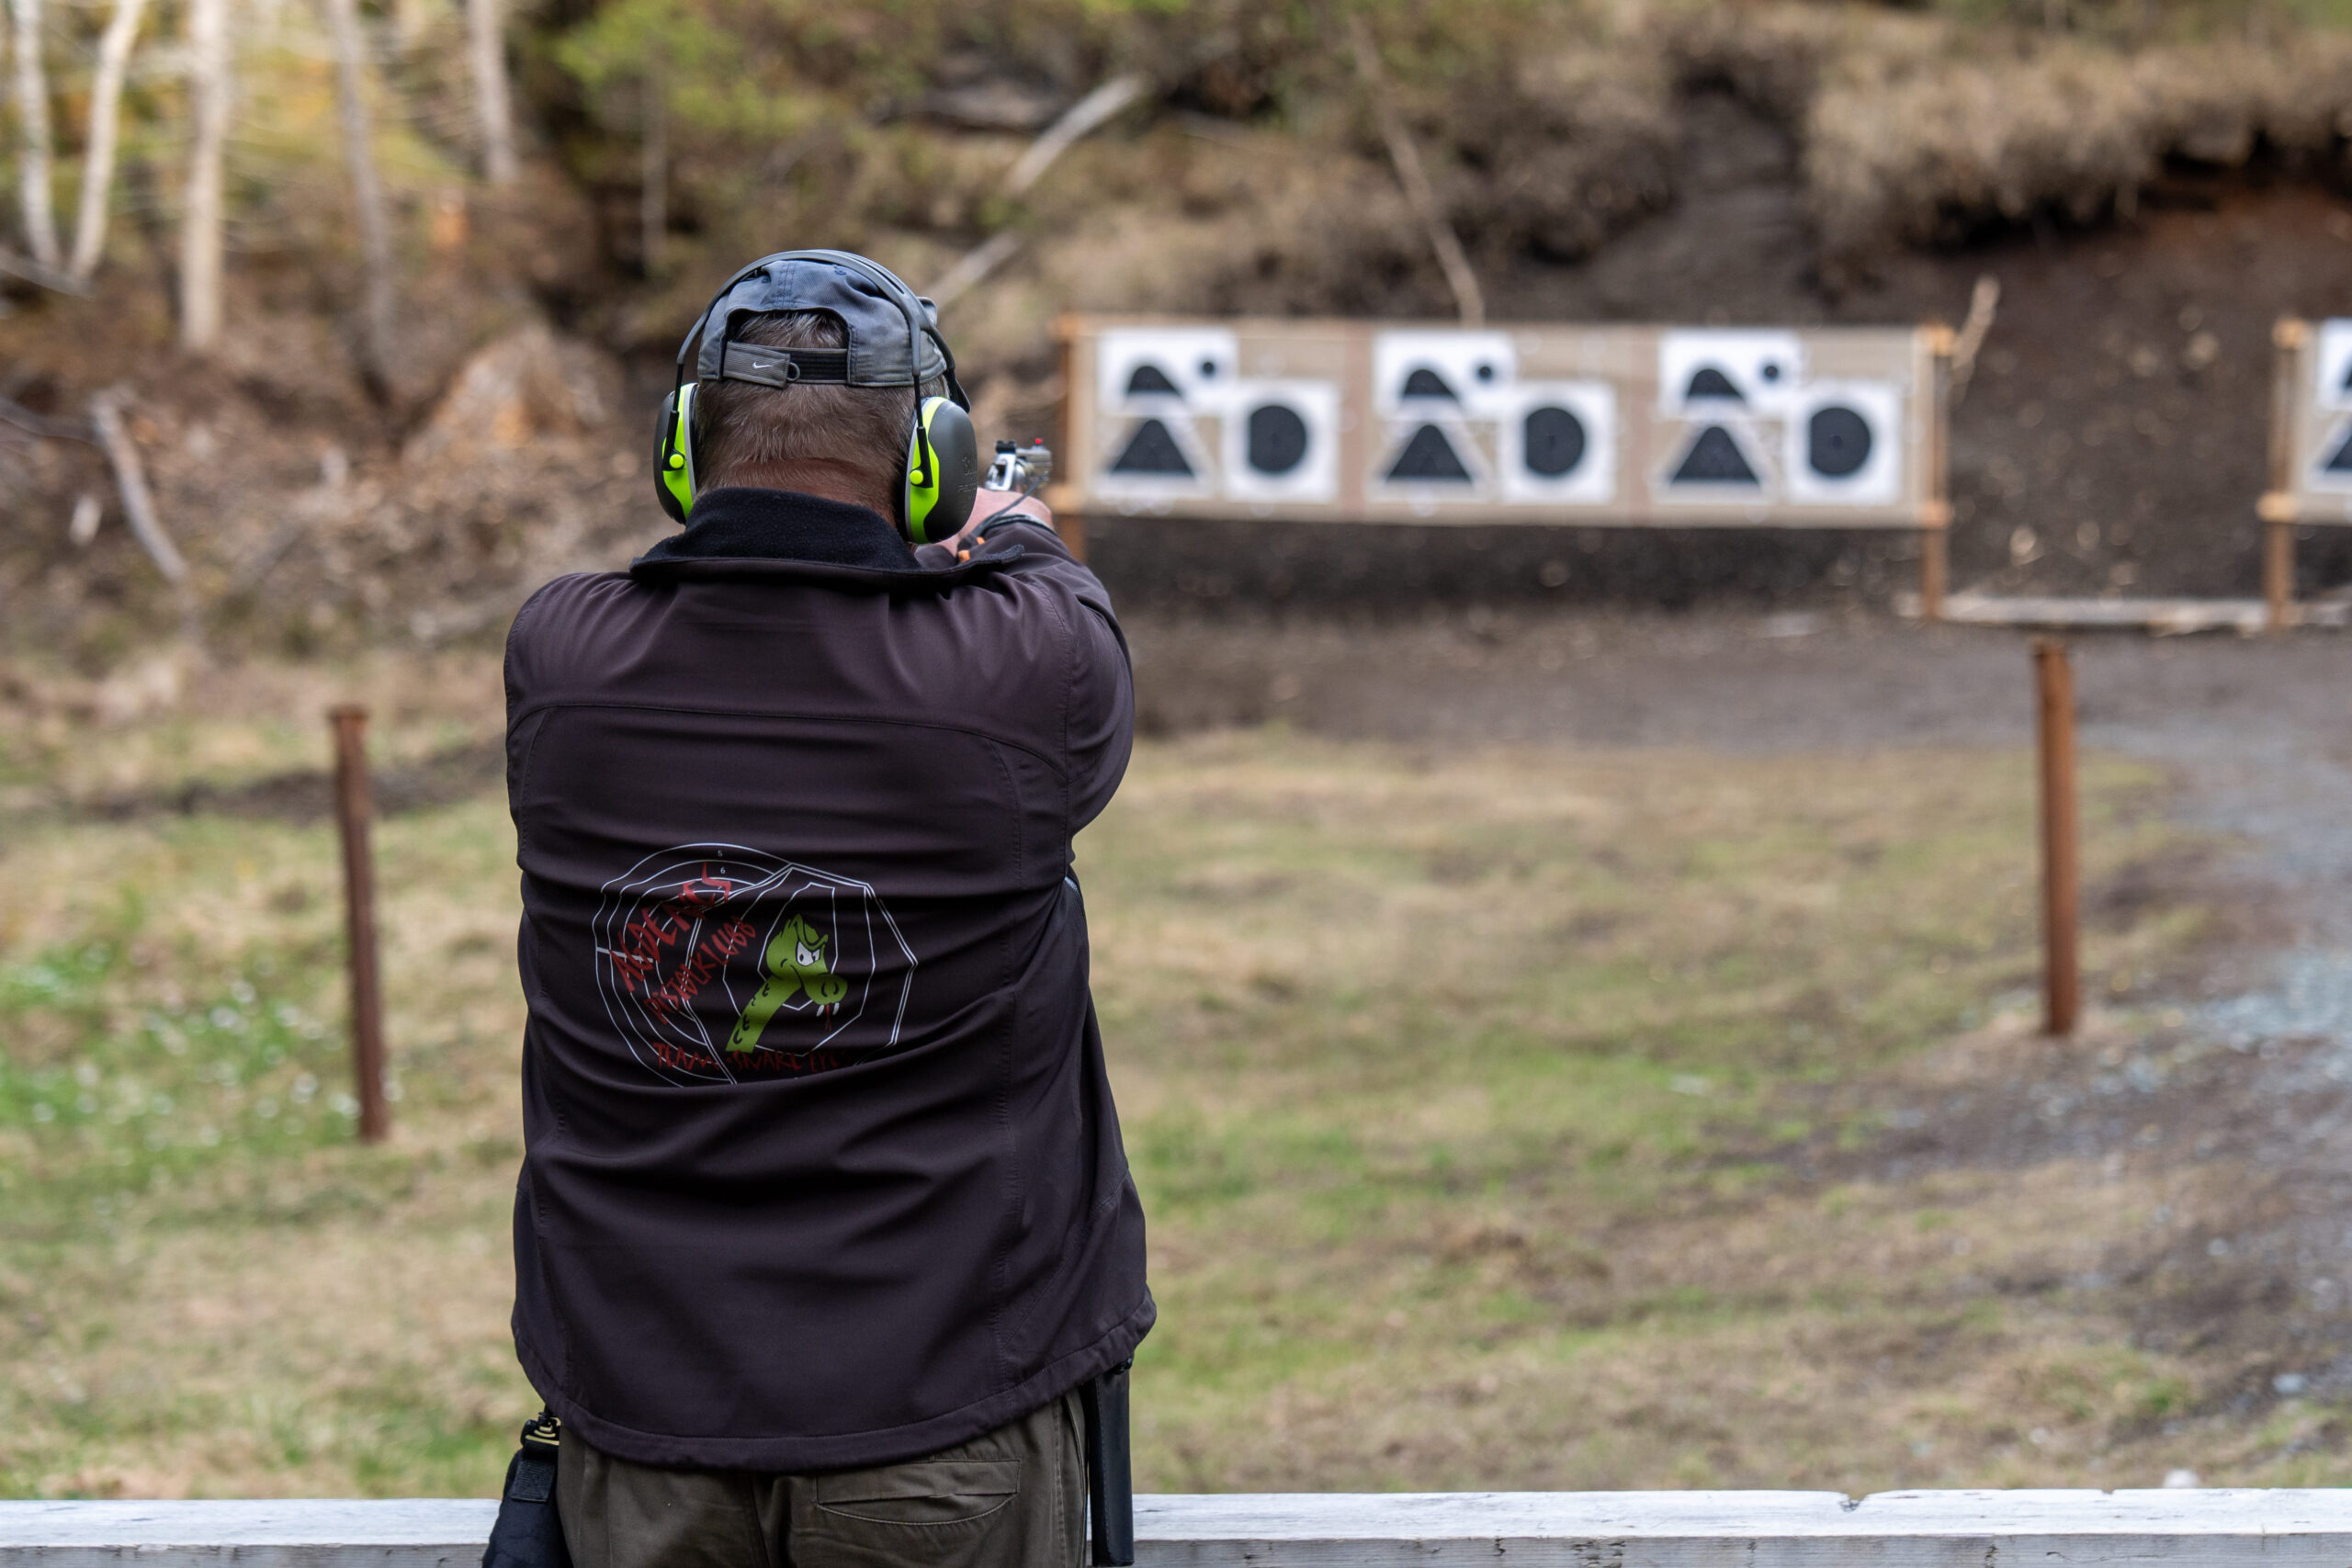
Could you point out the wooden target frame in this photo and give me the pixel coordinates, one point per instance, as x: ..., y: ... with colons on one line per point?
x: 1441, y: 425
x: 2311, y: 449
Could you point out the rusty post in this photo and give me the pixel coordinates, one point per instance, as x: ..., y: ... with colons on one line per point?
x: 2060, y: 901
x: 353, y: 808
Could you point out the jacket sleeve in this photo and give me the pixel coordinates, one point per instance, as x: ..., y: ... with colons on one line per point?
x: 1098, y: 720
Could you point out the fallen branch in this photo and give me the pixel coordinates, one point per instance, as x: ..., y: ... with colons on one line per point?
x: 974, y: 266
x: 1982, y: 300
x: 138, y: 504
x: 1075, y: 122
x: 24, y: 419
x: 1468, y: 298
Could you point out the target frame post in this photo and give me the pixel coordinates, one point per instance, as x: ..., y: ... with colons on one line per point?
x: 354, y: 808
x: 2278, y: 508
x: 1935, y: 512
x: 2061, y: 978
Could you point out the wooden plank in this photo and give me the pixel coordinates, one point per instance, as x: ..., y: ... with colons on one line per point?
x: 2161, y: 616
x: 2221, y: 1528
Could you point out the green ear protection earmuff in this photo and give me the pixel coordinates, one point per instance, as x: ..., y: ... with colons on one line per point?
x: 674, y: 455
x: 942, y: 476
x: 942, y: 472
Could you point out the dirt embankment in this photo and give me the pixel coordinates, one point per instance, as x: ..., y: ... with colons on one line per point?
x: 1773, y: 166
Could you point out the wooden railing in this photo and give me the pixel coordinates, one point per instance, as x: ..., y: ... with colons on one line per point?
x: 1542, y: 1530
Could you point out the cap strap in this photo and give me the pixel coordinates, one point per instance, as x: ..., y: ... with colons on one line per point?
x: 781, y: 367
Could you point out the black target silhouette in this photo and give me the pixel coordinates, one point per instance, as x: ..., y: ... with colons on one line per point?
x: 1709, y: 382
x: 1714, y: 458
x: 1552, y: 442
x: 1428, y: 456
x: 1424, y: 382
x: 1277, y: 438
x: 1152, y: 450
x: 2341, y: 463
x: 1149, y: 377
x: 1838, y: 442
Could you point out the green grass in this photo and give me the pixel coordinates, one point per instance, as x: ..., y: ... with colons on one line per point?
x: 1469, y: 1097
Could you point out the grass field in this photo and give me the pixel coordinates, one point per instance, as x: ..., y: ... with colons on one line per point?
x: 1504, y: 1120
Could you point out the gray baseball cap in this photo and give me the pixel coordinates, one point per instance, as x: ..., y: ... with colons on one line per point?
x: 894, y: 338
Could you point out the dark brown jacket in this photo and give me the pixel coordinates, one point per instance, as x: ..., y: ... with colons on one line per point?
x: 821, y: 1167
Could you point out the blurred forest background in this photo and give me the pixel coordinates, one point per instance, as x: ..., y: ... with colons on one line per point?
x: 381, y: 295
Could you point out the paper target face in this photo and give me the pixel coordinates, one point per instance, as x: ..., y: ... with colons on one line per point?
x: 1195, y: 365
x: 1751, y: 371
x: 1470, y: 369
x: 1719, y: 460
x: 2331, y: 468
x: 1558, y: 443
x: 1844, y: 444
x: 1281, y: 441
x: 2332, y: 367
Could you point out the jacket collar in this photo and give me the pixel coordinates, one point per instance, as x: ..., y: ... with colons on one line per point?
x: 780, y: 533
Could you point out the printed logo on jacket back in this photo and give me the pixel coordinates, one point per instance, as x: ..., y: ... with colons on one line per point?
x: 720, y: 964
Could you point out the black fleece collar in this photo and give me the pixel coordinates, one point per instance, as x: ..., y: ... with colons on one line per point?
x: 743, y: 523
x: 742, y: 532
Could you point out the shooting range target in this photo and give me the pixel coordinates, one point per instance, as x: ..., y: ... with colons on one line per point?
x: 1195, y: 365
x: 1557, y: 442
x: 1282, y: 440
x: 2332, y: 367
x: 1845, y: 444
x: 720, y: 964
x: 1471, y: 370
x: 1422, y: 422
x: 1749, y: 370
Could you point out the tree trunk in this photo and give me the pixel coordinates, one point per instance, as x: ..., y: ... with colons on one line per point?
x: 490, y: 105
x: 33, y: 149
x: 98, y: 165
x: 366, y: 192
x: 208, y: 71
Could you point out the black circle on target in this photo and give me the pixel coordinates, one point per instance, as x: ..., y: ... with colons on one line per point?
x: 1277, y: 438
x: 1553, y: 443
x: 1838, y: 442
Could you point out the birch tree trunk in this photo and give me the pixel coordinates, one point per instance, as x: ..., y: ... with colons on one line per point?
x: 33, y: 146
x: 490, y: 104
x: 105, y: 113
x: 367, y: 191
x: 200, y: 244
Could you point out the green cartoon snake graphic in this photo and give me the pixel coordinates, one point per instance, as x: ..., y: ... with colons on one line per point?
x: 795, y: 963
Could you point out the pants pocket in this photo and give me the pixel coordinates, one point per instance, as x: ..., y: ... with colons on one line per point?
x: 925, y: 1492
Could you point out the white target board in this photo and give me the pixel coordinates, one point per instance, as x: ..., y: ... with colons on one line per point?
x: 1364, y: 421
x: 2312, y: 468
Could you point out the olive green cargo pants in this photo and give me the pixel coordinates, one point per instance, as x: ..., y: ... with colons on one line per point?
x: 1011, y: 1498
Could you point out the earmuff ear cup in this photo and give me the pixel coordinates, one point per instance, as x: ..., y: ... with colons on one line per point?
x: 673, y: 454
x: 942, y: 472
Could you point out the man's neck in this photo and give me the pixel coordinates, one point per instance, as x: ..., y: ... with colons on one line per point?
x: 826, y: 479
